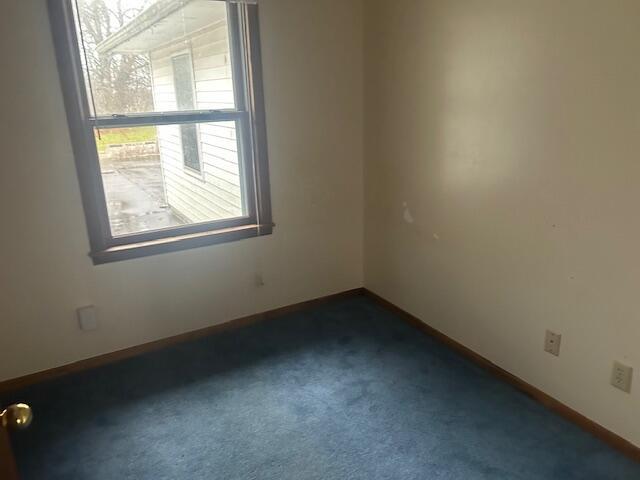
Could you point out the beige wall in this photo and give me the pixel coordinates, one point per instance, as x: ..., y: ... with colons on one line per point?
x: 511, y: 129
x: 313, y: 75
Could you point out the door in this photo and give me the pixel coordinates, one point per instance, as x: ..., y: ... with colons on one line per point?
x: 8, y: 468
x: 14, y: 417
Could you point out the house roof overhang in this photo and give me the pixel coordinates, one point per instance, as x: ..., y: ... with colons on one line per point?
x: 164, y: 22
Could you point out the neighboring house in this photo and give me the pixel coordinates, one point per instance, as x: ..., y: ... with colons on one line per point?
x: 191, y: 70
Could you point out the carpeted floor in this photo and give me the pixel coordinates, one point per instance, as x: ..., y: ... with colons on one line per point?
x: 345, y: 391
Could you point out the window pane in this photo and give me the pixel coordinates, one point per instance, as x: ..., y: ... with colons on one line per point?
x: 189, y: 139
x: 150, y: 186
x: 156, y: 55
x: 183, y: 82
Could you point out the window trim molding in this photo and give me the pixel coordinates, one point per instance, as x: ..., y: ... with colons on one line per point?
x: 251, y: 133
x: 174, y: 243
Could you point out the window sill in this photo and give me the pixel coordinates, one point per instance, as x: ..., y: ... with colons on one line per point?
x: 182, y: 242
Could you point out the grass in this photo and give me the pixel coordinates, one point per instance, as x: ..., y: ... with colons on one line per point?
x: 116, y: 136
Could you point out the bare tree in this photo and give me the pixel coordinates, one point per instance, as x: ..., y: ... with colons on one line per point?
x: 120, y: 83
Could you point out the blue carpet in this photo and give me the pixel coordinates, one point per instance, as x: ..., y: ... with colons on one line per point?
x: 343, y: 391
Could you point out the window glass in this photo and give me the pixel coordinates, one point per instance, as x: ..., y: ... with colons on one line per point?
x: 189, y: 139
x: 127, y: 48
x: 183, y: 82
x: 147, y: 187
x: 183, y: 88
x: 145, y: 56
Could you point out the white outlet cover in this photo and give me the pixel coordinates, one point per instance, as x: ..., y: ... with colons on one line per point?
x: 552, y: 343
x: 621, y: 376
x: 87, y: 318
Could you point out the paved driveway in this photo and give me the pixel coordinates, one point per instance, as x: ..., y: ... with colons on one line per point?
x: 135, y: 197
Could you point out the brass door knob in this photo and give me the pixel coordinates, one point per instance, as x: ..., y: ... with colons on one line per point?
x: 16, y: 416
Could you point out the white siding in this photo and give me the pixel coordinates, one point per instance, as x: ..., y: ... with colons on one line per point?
x: 214, y: 193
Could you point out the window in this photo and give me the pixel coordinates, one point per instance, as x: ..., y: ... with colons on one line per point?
x: 185, y: 100
x: 165, y: 108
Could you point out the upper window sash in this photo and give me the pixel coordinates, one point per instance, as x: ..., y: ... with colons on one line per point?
x: 239, y: 58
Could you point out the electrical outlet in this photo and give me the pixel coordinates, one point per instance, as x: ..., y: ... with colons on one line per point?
x: 621, y: 376
x: 552, y: 343
x: 259, y: 280
x: 87, y: 318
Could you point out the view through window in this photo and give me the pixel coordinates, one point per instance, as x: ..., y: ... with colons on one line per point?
x: 153, y: 57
